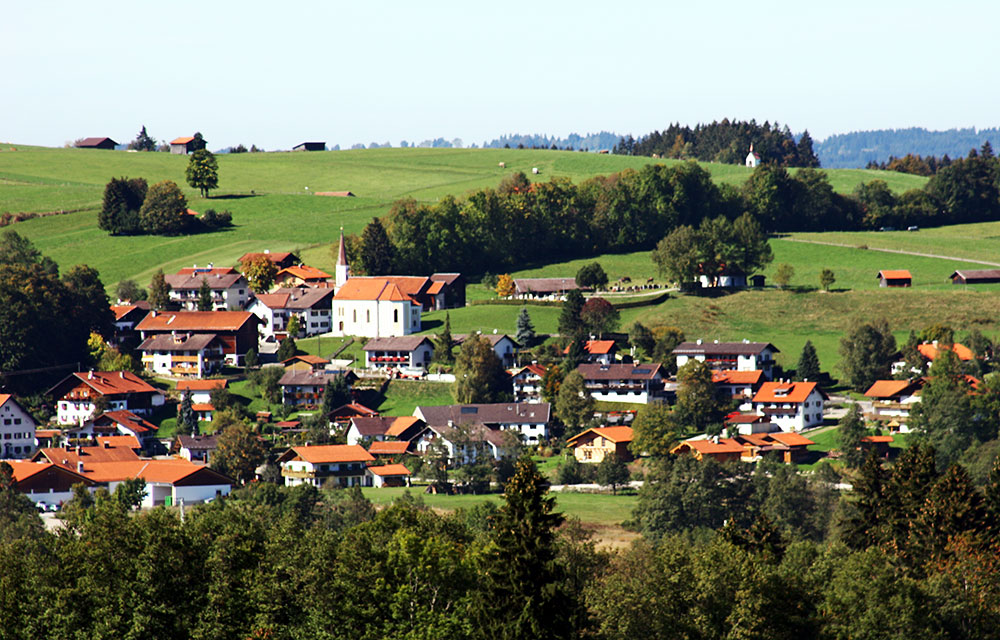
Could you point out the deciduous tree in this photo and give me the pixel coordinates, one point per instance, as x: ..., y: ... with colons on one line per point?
x: 259, y: 271
x: 239, y: 450
x: 677, y: 255
x: 826, y: 279
x: 866, y: 353
x: 612, y: 472
x: 479, y: 373
x: 783, y: 275
x: 599, y: 316
x: 591, y: 276
x: 505, y: 286
x: 203, y: 172
x: 574, y: 405
x: 164, y: 210
x: 570, y: 323
x: 698, y: 405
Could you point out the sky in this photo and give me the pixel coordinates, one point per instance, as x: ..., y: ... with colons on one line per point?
x: 278, y: 73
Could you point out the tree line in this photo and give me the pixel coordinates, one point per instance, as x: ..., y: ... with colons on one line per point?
x: 727, y: 142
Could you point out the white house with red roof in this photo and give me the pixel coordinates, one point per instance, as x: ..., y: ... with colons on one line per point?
x: 724, y: 356
x: 601, y: 351
x: 230, y: 289
x: 17, y: 429
x: 741, y: 386
x: 626, y: 382
x: 344, y: 464
x: 893, y: 400
x: 122, y: 390
x: 374, y: 308
x: 527, y: 382
x: 311, y: 305
x: 46, y: 482
x: 115, y: 423
x: 793, y: 406
x: 236, y: 330
x: 182, y: 354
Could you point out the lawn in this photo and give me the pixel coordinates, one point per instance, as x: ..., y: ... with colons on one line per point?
x: 403, y: 396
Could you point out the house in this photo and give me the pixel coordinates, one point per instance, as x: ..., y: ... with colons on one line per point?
x: 594, y: 445
x: 975, y: 276
x: 301, y: 276
x: 347, y: 412
x: 739, y: 386
x: 788, y: 447
x: 183, y: 145
x: 371, y: 429
x: 96, y: 143
x: 465, y: 443
x: 878, y: 444
x: 76, y: 394
x: 389, y: 475
x: 115, y: 423
x: 757, y: 281
x: 305, y: 363
x: 46, y: 482
x: 628, y: 382
x: 106, y: 449
x: 182, y: 354
x: 723, y: 356
x: 201, y: 390
x: 312, y: 306
x: 530, y: 420
x: 503, y: 345
x: 304, y: 389
x: 17, y: 429
x: 237, y: 330
x: 342, y: 464
x: 727, y: 277
x: 931, y: 350
x: 602, y: 351
x: 374, y: 308
x: 230, y: 289
x: 405, y: 428
x: 127, y: 316
x: 391, y: 449
x: 892, y: 401
x: 527, y: 382
x: 310, y: 146
x: 448, y: 290
x: 550, y: 288
x: 196, y: 448
x: 168, y: 482
x: 281, y: 259
x: 403, y: 352
x: 793, y: 406
x: 895, y: 278
x: 747, y: 423
x: 720, y: 449
x: 753, y: 158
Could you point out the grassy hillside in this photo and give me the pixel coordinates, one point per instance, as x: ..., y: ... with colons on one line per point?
x: 270, y: 195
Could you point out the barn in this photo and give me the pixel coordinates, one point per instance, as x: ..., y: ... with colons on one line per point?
x: 975, y: 276
x: 894, y: 278
x: 310, y: 146
x: 96, y: 143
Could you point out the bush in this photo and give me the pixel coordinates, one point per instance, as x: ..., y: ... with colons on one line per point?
x: 214, y: 220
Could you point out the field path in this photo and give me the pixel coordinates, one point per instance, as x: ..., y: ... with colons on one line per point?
x: 909, y: 253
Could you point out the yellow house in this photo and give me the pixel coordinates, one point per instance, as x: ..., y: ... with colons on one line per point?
x: 593, y: 445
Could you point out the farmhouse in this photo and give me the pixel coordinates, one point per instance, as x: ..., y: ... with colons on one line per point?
x: 787, y: 447
x: 738, y: 385
x: 403, y: 352
x: 466, y: 442
x: 892, y: 401
x: 741, y: 356
x: 305, y: 363
x: 183, y: 145
x: 975, y: 276
x: 530, y: 420
x: 793, y: 406
x: 236, y: 330
x: 312, y: 306
x: 96, y: 143
x: 305, y: 388
x: 115, y: 423
x: 17, y: 429
x: 448, y: 290
x: 389, y: 475
x: 310, y: 146
x: 302, y: 276
x: 551, y: 288
x: 201, y: 390
x: 628, y: 382
x: 503, y: 345
x: 127, y: 316
x: 594, y: 445
x: 168, y: 482
x: 342, y: 464
x: 373, y: 428
x: 76, y: 394
x: 895, y: 278
x: 196, y: 448
x: 390, y: 449
x: 230, y: 290
x: 720, y: 449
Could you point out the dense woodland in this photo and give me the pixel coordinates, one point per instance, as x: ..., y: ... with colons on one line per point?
x: 726, y: 142
x: 859, y: 148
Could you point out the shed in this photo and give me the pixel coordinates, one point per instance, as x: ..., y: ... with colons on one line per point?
x: 975, y: 276
x: 310, y: 146
x: 182, y: 145
x: 894, y: 278
x: 96, y: 143
x: 757, y: 281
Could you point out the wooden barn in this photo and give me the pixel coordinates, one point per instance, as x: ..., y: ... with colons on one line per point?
x: 975, y: 276
x: 96, y: 143
x: 895, y: 278
x: 310, y: 146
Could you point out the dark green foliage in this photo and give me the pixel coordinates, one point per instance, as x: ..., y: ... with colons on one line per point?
x: 599, y: 316
x: 143, y: 142
x: 15, y: 249
x: 525, y: 331
x: 250, y: 359
x: 671, y: 338
x: 576, y: 354
x: 591, y: 276
x: 239, y: 451
x: 574, y: 405
x: 444, y: 343
x: 570, y: 322
x: 159, y: 291
x: 187, y: 421
x: 123, y: 198
x: 212, y: 219
x: 286, y: 349
x: 164, y: 210
x: 571, y: 471
x: 204, y: 296
x: 479, y: 373
x: 864, y: 524
x: 612, y: 472
x: 89, y: 304
x: 640, y: 337
x: 376, y: 250
x: 699, y: 408
x: 336, y: 393
x: 945, y: 415
x: 850, y: 431
x: 866, y: 354
x: 808, y: 366
x: 130, y: 291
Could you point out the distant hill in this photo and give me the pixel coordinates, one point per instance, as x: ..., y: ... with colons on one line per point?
x: 856, y: 149
x: 574, y: 141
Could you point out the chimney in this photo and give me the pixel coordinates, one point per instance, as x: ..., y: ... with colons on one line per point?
x: 121, y: 374
x: 79, y: 451
x: 716, y: 342
x: 267, y: 251
x: 153, y: 313
x: 79, y: 466
x: 715, y: 439
x: 107, y: 445
x: 90, y: 375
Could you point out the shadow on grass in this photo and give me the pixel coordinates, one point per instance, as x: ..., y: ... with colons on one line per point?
x: 426, y: 325
x: 233, y: 196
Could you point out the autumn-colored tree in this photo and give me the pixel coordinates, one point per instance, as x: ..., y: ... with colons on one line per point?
x: 239, y: 450
x: 259, y: 271
x: 505, y: 286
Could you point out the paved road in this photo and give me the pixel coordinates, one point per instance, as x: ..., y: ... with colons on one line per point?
x: 908, y: 253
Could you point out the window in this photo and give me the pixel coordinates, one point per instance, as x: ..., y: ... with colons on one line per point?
x: 395, y: 315
x: 355, y: 315
x: 368, y: 316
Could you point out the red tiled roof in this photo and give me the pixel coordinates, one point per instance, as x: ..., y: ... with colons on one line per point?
x: 182, y: 140
x: 790, y: 438
x: 390, y: 470
x: 196, y: 321
x: 435, y: 288
x: 887, y: 388
x: 308, y: 359
x: 596, y: 347
x: 931, y: 351
x: 114, y: 382
x: 130, y: 442
x: 736, y: 377
x: 708, y: 447
x: 129, y: 420
x: 304, y: 272
x: 614, y: 434
x: 792, y: 392
x: 332, y: 453
x: 895, y: 274
x: 400, y: 425
x: 159, y: 471
x: 371, y: 289
x: 69, y: 457
x: 627, y: 371
x: 388, y: 447
x: 24, y: 469
x: 273, y: 256
x: 202, y: 407
x: 122, y: 310
x: 202, y: 385
x: 876, y: 439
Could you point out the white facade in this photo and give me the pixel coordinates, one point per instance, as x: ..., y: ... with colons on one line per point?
x: 794, y: 416
x: 235, y: 298
x: 311, y: 321
x: 158, y: 492
x: 351, y: 474
x: 79, y: 410
x: 199, y: 364
x: 17, y: 431
x: 419, y: 358
x: 375, y: 318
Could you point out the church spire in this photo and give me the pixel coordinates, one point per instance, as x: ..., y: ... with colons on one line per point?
x: 342, y: 255
x: 343, y: 270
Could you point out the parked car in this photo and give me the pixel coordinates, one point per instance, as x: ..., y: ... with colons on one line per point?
x: 913, y: 228
x: 42, y: 506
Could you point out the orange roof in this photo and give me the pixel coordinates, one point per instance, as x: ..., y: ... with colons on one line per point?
x: 388, y: 447
x: 114, y: 382
x: 614, y: 434
x: 401, y: 424
x: 784, y: 391
x: 895, y: 274
x: 308, y: 359
x: 202, y: 407
x: 736, y: 377
x: 305, y: 272
x: 130, y: 442
x: 69, y: 457
x: 790, y: 438
x: 206, y: 271
x: 931, y: 351
x: 201, y: 385
x: 887, y: 388
x: 596, y: 347
x: 876, y: 439
x: 435, y: 287
x: 371, y: 289
x: 333, y: 453
x: 196, y: 321
x: 182, y: 140
x: 390, y: 470
x: 4, y: 397
x: 709, y: 447
x: 122, y: 310
x: 159, y: 471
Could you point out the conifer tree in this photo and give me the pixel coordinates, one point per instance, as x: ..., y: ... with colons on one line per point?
x: 808, y: 366
x: 159, y: 291
x: 444, y: 343
x: 863, y: 527
x: 570, y: 323
x: 286, y: 349
x: 953, y: 507
x: 376, y: 250
x: 913, y: 475
x: 525, y: 334
x: 204, y: 296
x: 187, y: 421
x: 850, y: 431
x: 577, y: 353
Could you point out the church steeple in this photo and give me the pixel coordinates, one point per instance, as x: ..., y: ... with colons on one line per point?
x: 343, y: 270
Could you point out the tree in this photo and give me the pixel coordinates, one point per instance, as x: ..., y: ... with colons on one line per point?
x: 479, y: 373
x: 599, y: 316
x: 239, y: 451
x: 505, y: 286
x: 286, y: 349
x: 867, y: 353
x: 677, y: 255
x: 143, y: 142
x: 203, y: 172
x: 199, y: 143
x: 525, y: 333
x: 522, y: 588
x: 444, y: 343
x: 863, y: 527
x: 850, y: 431
x: 574, y: 404
x: 159, y: 291
x: 945, y: 415
x: 336, y: 393
x: 808, y: 366
x: 123, y: 198
x: 783, y: 275
x: 669, y: 339
x: 655, y: 431
x: 204, y: 296
x: 187, y: 421
x: 15, y: 249
x: 89, y: 305
x: 752, y: 251
x: 164, y: 210
x: 570, y: 323
x: 250, y: 360
x: 591, y: 276
x: 129, y: 291
x: 641, y: 338
x: 293, y: 327
x: 612, y: 472
x: 826, y: 279
x: 259, y: 271
x: 698, y: 405
x: 376, y: 250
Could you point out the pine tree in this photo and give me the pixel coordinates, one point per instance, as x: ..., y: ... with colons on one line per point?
x: 808, y: 366
x: 204, y: 296
x: 525, y: 334
x: 850, y: 431
x: 570, y: 323
x: 376, y: 250
x: 523, y: 593
x: 576, y: 354
x: 863, y: 528
x: 187, y: 421
x: 953, y: 507
x: 913, y: 475
x: 336, y: 393
x: 444, y: 343
x: 143, y: 142
x: 159, y: 291
x: 286, y: 349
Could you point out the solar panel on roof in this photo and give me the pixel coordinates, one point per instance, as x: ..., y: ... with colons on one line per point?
x: 641, y: 370
x: 470, y: 410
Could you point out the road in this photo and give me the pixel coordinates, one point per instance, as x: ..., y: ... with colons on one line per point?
x: 908, y: 253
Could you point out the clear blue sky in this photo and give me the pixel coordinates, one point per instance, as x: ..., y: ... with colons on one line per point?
x: 278, y: 73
